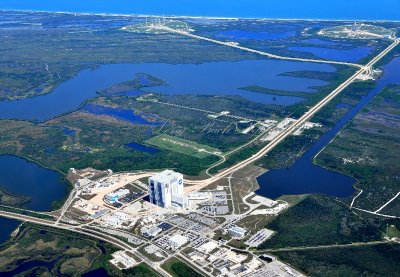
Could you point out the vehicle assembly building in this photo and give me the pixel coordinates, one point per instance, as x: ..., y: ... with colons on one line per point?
x: 166, y: 190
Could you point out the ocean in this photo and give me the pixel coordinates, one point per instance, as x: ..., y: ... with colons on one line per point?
x: 277, y: 9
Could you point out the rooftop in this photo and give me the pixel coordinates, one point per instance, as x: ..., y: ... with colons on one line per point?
x: 167, y: 176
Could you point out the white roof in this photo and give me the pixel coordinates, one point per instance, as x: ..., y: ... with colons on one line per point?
x: 167, y: 176
x: 237, y: 229
x: 178, y: 239
x: 208, y: 247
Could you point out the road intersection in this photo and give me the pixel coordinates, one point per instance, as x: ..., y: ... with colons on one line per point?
x: 198, y: 184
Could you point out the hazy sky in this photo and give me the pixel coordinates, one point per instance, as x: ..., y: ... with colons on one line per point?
x: 328, y: 9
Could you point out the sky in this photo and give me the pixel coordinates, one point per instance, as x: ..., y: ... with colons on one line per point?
x: 308, y: 9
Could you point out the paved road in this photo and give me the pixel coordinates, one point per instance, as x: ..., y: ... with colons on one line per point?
x: 269, y: 55
x: 307, y: 116
x: 124, y: 246
x: 87, y: 232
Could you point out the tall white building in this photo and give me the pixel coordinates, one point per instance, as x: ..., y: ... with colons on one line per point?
x: 166, y: 190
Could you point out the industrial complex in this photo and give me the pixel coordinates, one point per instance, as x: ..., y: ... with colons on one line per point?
x: 160, y: 217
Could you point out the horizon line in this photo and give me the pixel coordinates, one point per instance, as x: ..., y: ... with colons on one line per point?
x: 194, y: 16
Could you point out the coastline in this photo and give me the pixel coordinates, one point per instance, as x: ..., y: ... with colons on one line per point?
x: 201, y: 17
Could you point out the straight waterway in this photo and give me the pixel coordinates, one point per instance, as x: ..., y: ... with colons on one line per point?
x: 304, y: 176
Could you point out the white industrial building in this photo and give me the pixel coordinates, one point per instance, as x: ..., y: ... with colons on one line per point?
x: 177, y: 241
x: 150, y: 231
x: 208, y: 247
x: 236, y: 231
x: 166, y: 190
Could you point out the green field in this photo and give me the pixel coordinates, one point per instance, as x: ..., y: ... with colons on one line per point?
x: 141, y: 270
x: 182, y: 146
x: 178, y: 268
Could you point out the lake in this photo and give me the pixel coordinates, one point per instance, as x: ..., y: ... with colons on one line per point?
x: 303, y: 176
x: 22, y: 177
x: 341, y: 55
x: 207, y: 78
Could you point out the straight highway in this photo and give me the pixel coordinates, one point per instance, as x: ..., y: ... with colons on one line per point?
x: 304, y: 118
x: 87, y: 232
x: 226, y: 172
x: 234, y: 45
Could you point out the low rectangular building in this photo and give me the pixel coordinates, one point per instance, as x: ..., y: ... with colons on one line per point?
x: 236, y: 231
x: 150, y: 232
x: 178, y: 241
x: 113, y: 197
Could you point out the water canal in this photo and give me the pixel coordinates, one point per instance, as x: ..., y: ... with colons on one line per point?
x: 305, y: 177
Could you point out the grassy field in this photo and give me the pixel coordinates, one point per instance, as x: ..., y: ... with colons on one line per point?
x: 243, y: 182
x: 141, y: 270
x: 177, y: 268
x: 378, y: 260
x: 183, y: 146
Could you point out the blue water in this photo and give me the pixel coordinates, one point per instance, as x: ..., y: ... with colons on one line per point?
x: 303, y: 176
x: 328, y: 9
x: 121, y: 114
x: 239, y: 34
x: 21, y: 177
x: 343, y: 55
x: 28, y: 266
x: 318, y: 41
x: 211, y: 79
x: 131, y: 93
x: 206, y: 78
x: 142, y: 148
x: 69, y: 132
x: 100, y: 272
x: 7, y: 226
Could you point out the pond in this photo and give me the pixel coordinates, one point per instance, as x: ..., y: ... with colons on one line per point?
x: 121, y: 114
x: 142, y: 148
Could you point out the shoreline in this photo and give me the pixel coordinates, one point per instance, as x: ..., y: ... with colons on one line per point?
x: 198, y: 17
